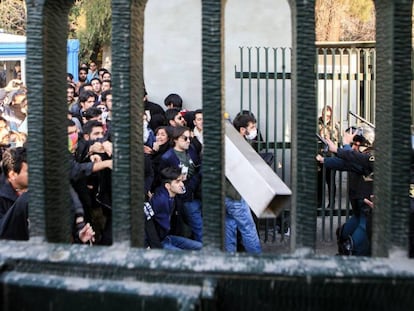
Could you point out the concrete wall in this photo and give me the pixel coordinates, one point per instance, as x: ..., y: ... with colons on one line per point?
x: 172, y: 44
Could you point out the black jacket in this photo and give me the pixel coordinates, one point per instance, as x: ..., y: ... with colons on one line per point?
x: 7, y: 198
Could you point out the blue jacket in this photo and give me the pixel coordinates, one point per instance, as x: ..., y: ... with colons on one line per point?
x: 169, y: 158
x: 163, y: 206
x: 360, y: 167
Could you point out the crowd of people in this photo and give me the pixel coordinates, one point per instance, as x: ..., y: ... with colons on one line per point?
x: 173, y: 152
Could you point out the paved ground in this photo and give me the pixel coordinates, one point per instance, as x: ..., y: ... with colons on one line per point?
x: 276, y: 243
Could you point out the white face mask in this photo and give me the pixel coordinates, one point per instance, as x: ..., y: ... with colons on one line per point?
x: 252, y: 134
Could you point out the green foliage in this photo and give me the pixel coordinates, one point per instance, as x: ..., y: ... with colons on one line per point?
x: 94, y: 28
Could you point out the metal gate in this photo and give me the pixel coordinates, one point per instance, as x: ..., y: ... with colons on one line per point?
x: 47, y: 273
x: 345, y: 81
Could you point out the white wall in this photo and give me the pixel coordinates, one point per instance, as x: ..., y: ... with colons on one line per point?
x: 252, y: 23
x: 172, y: 44
x: 172, y: 50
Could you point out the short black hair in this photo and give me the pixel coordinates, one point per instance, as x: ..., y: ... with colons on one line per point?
x: 93, y: 79
x: 175, y: 100
x: 91, y: 112
x: 243, y: 120
x: 70, y: 86
x: 12, y: 160
x: 103, y: 70
x: 104, y: 94
x: 169, y: 173
x: 70, y: 122
x: 85, y: 94
x: 179, y: 131
x: 171, y: 113
x: 88, y: 126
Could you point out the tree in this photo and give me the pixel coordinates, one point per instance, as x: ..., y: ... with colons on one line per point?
x: 328, y: 16
x: 91, y: 24
x: 345, y: 20
x: 13, y: 16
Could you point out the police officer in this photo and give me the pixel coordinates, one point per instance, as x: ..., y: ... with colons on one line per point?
x: 357, y: 157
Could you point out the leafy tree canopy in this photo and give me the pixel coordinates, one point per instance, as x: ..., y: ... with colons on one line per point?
x: 91, y: 24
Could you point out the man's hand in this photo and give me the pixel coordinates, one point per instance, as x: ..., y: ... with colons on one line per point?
x: 370, y: 202
x: 331, y: 145
x: 97, y: 147
x: 320, y: 158
x: 348, y: 137
x: 86, y: 234
x: 95, y: 158
x: 107, y: 145
x: 148, y: 150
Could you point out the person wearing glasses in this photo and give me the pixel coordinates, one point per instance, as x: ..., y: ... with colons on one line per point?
x: 184, y: 156
x: 174, y: 117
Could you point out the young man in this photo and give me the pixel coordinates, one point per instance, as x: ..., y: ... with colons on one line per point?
x: 174, y: 117
x: 185, y: 157
x: 80, y: 178
x: 70, y: 96
x: 83, y: 76
x: 198, y: 130
x: 163, y: 204
x: 106, y: 85
x: 173, y: 101
x: 97, y: 87
x: 86, y: 100
x: 14, y: 224
x: 15, y: 170
x: 238, y: 214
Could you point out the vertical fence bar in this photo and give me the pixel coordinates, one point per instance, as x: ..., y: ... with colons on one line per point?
x: 323, y: 181
x: 36, y: 155
x: 341, y: 129
x: 127, y: 200
x: 266, y: 49
x: 48, y: 159
x: 258, y: 97
x: 250, y: 77
x: 392, y: 163
x: 213, y: 164
x: 372, y: 87
x: 332, y: 183
x: 358, y: 81
x: 303, y: 229
x: 275, y: 105
x: 241, y: 78
x: 284, y: 113
x: 366, y: 83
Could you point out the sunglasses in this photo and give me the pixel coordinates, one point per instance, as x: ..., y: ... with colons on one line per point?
x: 185, y: 138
